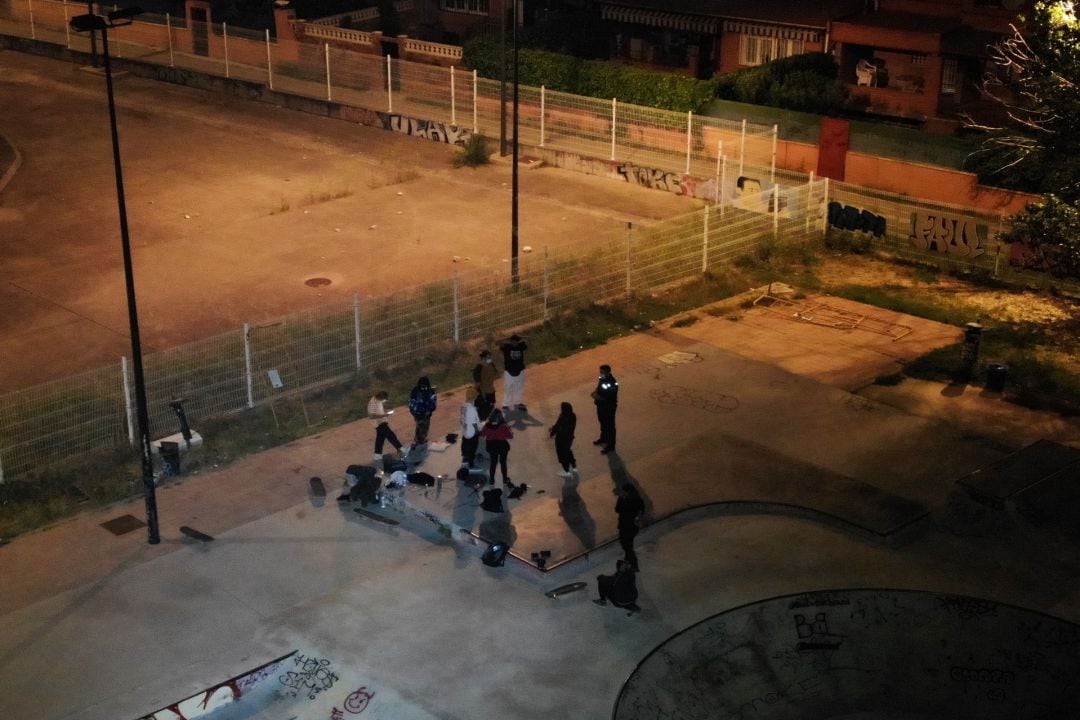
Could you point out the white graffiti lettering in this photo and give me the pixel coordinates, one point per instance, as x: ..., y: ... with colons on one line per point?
x: 429, y: 129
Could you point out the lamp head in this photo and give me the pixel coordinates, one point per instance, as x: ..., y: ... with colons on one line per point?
x: 86, y: 23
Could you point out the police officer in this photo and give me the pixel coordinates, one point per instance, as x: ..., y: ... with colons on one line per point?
x: 606, y: 397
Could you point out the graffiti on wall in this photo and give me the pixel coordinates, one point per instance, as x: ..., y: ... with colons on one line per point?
x: 429, y: 129
x: 847, y: 217
x: 310, y: 677
x: 946, y: 233
x: 651, y: 178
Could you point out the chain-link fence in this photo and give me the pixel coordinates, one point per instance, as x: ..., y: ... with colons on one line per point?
x: 252, y: 365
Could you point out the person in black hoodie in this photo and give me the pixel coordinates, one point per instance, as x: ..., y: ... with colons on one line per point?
x: 563, y: 432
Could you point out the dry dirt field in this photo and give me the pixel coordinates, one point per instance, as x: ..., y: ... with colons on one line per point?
x: 232, y: 206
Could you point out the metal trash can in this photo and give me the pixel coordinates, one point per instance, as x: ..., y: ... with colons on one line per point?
x: 996, y: 374
x: 170, y: 458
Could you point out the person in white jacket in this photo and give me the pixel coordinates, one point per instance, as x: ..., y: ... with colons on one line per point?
x: 379, y: 415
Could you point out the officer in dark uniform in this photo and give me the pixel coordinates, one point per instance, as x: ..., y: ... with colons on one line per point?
x: 606, y: 397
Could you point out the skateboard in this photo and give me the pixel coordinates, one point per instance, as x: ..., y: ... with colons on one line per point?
x: 375, y: 516
x: 317, y: 487
x: 195, y: 534
x: 565, y: 590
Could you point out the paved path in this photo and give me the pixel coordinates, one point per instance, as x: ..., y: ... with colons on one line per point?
x: 100, y: 626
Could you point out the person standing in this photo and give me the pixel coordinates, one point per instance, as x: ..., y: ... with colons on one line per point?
x: 422, y: 402
x: 513, y: 351
x: 376, y: 410
x: 629, y: 507
x: 484, y: 375
x: 606, y: 397
x: 497, y: 436
x: 470, y: 429
x: 563, y: 432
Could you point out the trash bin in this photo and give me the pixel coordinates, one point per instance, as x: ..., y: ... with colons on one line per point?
x: 170, y: 458
x: 996, y: 373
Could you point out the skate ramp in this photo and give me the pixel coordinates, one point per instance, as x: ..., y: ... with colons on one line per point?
x: 870, y: 654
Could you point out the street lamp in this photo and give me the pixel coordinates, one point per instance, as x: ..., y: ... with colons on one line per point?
x: 514, y: 276
x: 91, y: 23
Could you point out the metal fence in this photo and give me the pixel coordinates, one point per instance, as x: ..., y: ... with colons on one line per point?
x: 55, y: 421
x: 602, y: 128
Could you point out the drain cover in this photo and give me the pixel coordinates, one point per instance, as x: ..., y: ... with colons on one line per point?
x: 317, y: 282
x: 123, y: 524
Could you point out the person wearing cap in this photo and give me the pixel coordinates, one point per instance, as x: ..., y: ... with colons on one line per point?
x: 606, y: 397
x: 513, y: 351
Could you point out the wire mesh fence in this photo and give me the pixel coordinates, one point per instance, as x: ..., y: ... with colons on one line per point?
x: 255, y: 364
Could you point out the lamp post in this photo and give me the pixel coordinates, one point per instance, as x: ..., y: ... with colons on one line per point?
x: 514, y: 276
x: 91, y: 23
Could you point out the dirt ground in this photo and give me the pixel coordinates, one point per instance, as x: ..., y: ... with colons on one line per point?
x: 232, y: 206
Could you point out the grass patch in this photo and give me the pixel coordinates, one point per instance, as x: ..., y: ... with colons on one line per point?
x: 473, y: 153
x: 398, y: 177
x: 685, y: 321
x: 324, y: 197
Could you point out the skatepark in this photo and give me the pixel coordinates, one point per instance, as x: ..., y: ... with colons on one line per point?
x: 755, y: 490
x: 815, y: 545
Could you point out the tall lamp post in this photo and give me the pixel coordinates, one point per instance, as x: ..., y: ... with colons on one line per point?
x: 91, y: 23
x: 514, y: 275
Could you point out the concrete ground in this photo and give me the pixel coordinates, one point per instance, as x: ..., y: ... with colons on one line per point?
x: 753, y: 407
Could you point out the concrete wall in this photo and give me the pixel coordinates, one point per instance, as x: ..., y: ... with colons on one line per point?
x: 886, y: 653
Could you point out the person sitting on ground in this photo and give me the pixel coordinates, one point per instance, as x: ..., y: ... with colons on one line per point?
x: 620, y: 588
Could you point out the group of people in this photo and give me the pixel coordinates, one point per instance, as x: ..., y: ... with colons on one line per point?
x: 482, y: 418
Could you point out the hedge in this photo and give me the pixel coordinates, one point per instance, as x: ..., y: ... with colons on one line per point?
x: 808, y: 83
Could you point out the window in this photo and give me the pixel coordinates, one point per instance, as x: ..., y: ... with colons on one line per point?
x: 477, y: 7
x: 950, y: 76
x: 758, y: 49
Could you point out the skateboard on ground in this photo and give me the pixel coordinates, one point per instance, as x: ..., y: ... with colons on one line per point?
x: 317, y: 487
x: 375, y: 516
x: 195, y: 534
x: 565, y: 590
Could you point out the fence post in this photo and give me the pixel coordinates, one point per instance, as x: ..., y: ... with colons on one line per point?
x: 742, y: 147
x: 457, y: 315
x: 356, y: 328
x: 127, y: 400
x: 475, y: 127
x: 30, y: 4
x: 545, y: 316
x: 689, y: 137
x: 67, y: 41
x: 705, y: 242
x: 269, y: 63
x: 613, y: 104
x: 809, y: 198
x: 629, y: 235
x: 247, y: 367
x: 772, y: 172
x: 825, y: 211
x: 389, y: 86
x: 225, y: 42
x: 776, y: 211
x: 453, y: 97
x: 168, y: 31
x: 719, y: 155
x: 326, y: 55
x: 723, y: 182
x: 543, y: 101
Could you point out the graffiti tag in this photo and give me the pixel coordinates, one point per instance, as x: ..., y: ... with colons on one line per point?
x: 312, y: 677
x: 944, y: 233
x: 650, y: 178
x: 429, y: 129
x: 847, y: 217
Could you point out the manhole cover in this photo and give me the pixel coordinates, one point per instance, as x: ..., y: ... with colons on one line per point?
x: 317, y: 282
x: 123, y: 524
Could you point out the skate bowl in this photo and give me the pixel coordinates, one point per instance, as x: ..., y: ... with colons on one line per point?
x: 865, y: 654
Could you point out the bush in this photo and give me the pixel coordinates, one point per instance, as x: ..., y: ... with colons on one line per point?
x: 807, y: 83
x: 1051, y: 234
x: 473, y: 153
x: 593, y: 78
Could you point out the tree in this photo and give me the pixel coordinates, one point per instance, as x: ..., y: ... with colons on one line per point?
x: 1035, y: 76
